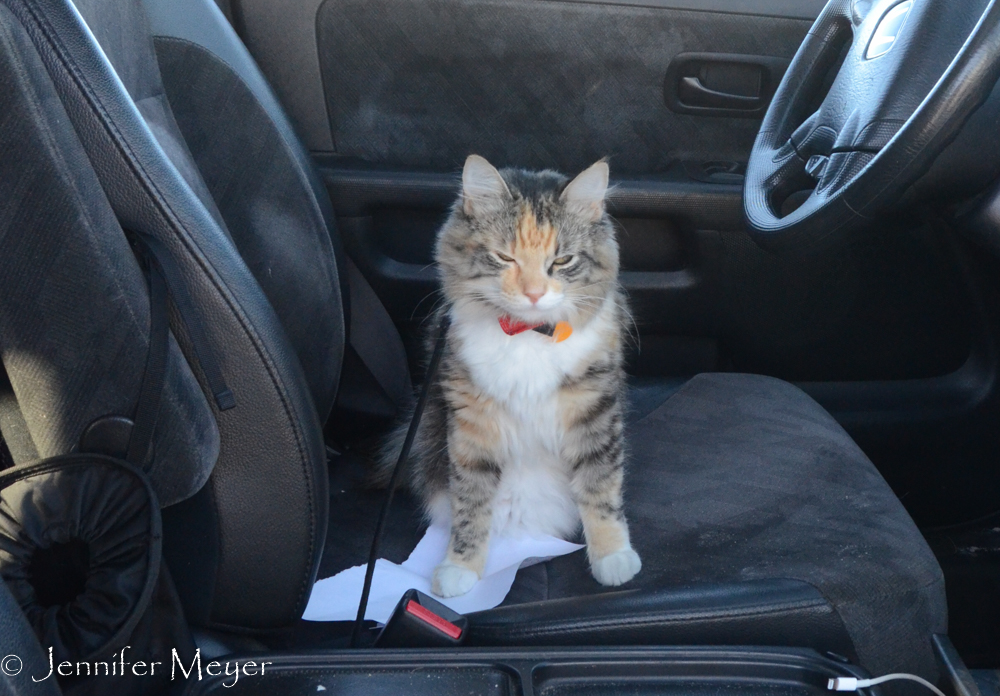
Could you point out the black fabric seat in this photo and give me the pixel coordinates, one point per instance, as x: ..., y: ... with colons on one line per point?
x: 757, y: 518
x: 753, y: 511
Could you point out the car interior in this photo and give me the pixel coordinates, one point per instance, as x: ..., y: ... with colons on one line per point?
x: 217, y: 226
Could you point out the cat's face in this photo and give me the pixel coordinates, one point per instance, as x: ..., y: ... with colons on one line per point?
x: 528, y: 244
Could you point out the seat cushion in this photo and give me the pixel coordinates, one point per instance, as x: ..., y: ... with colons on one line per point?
x: 758, y: 520
x: 740, y: 491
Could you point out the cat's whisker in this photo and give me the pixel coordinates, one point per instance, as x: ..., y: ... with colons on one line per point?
x: 590, y: 306
x: 432, y: 293
x: 590, y: 285
x: 632, y: 332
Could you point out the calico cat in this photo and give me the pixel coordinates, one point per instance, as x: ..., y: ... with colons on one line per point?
x: 523, y: 428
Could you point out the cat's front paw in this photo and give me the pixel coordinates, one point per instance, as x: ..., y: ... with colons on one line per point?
x: 451, y: 580
x: 616, y: 568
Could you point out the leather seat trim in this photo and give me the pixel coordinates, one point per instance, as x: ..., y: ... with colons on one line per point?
x: 538, y: 629
x: 698, y: 612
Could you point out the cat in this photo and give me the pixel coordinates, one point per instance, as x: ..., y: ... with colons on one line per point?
x: 523, y: 429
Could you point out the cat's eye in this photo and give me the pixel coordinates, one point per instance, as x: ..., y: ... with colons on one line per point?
x: 504, y: 257
x: 562, y: 260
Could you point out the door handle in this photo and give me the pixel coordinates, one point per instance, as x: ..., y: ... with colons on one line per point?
x: 693, y: 93
x: 722, y: 84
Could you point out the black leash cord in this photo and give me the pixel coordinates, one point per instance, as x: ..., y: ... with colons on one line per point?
x: 404, y: 454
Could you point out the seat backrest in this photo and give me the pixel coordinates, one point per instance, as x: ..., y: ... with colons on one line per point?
x: 74, y: 306
x: 275, y: 206
x: 233, y: 148
x: 259, y: 525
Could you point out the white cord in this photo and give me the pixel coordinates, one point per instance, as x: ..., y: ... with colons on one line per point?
x: 852, y: 684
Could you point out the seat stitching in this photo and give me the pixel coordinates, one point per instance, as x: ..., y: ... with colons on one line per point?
x: 648, y: 619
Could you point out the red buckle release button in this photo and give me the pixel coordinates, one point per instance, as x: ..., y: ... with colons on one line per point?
x: 428, y: 616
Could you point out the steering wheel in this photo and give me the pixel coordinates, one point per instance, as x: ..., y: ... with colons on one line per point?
x: 874, y: 94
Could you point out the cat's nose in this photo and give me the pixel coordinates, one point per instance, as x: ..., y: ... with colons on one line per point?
x: 534, y: 295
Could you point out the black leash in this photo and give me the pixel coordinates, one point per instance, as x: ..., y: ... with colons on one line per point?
x: 404, y: 454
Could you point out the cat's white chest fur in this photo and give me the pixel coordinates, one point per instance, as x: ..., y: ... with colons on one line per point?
x: 522, y: 373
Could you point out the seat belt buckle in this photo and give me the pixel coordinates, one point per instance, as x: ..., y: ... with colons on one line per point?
x: 419, y: 621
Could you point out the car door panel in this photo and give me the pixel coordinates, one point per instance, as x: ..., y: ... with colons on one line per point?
x: 422, y: 83
x: 391, y: 95
x: 282, y: 36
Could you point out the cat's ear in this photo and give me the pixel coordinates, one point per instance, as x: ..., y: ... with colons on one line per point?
x: 483, y: 189
x: 586, y: 192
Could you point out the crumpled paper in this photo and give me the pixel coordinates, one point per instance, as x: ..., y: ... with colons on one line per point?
x: 336, y: 598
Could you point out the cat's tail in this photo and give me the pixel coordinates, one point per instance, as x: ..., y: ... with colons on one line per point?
x: 387, y: 454
x: 426, y: 469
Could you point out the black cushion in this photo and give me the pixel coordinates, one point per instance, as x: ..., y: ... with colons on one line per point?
x: 80, y: 545
x: 744, y: 478
x: 758, y: 521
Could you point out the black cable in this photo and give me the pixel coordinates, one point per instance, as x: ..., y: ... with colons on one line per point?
x: 404, y: 454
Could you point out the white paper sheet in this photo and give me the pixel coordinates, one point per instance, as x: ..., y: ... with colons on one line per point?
x: 336, y: 598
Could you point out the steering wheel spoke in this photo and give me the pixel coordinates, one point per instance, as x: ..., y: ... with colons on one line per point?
x: 863, y: 110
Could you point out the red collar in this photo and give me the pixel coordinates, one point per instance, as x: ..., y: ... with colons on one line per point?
x: 558, y: 332
x: 512, y: 327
